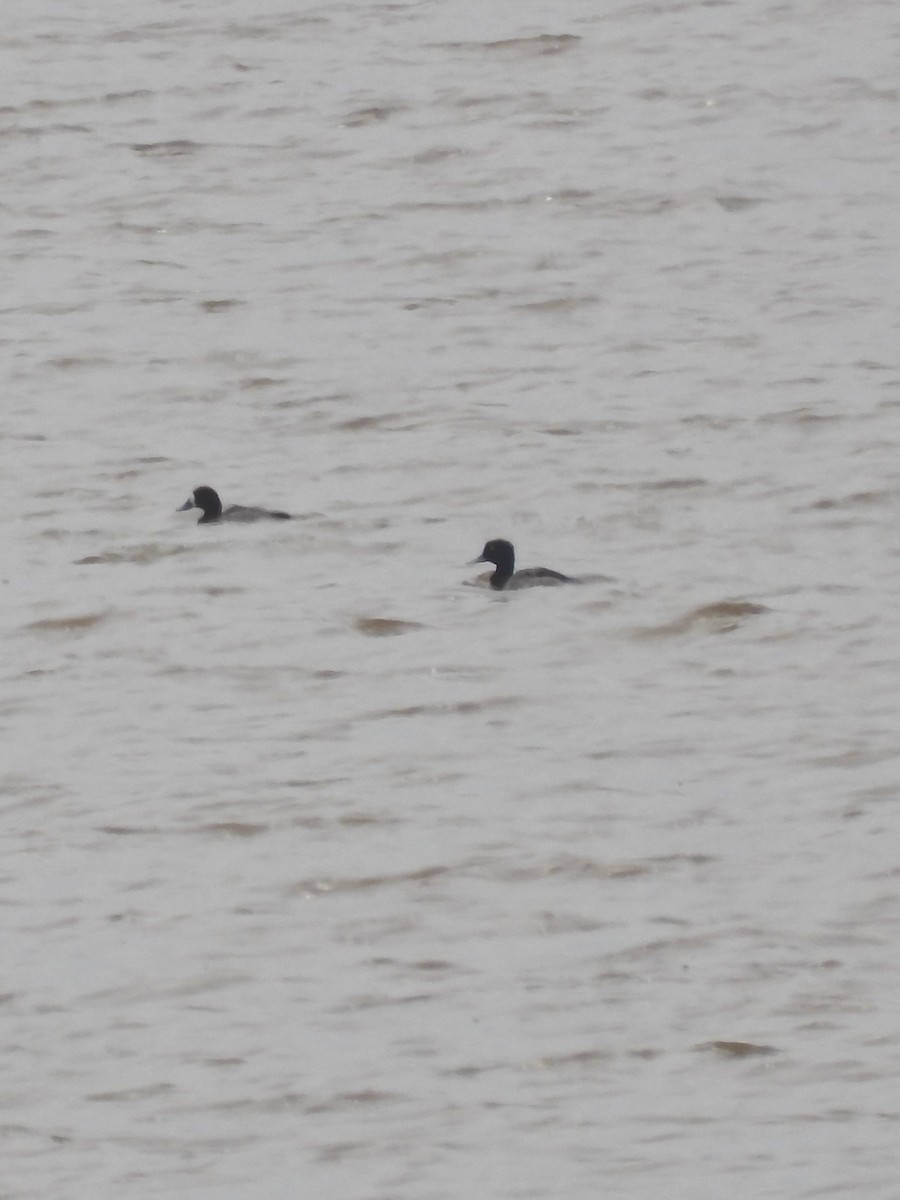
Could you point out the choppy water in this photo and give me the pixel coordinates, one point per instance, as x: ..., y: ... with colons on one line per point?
x: 323, y: 873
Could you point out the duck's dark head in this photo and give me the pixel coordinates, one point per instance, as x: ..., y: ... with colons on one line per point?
x: 206, y: 498
x: 499, y: 552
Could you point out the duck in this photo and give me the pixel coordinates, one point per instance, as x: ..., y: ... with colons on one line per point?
x: 207, y: 499
x: 506, y: 578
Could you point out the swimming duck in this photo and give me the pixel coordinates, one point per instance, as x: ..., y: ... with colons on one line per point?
x: 506, y: 577
x: 207, y: 498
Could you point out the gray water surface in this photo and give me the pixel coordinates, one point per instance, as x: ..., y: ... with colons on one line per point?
x: 325, y: 874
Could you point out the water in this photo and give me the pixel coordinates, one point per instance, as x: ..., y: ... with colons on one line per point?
x: 325, y: 873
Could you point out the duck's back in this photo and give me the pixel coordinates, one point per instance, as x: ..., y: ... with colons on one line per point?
x: 243, y: 512
x: 538, y: 577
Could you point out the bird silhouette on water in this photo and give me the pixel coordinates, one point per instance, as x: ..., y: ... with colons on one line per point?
x: 506, y: 578
x: 207, y: 499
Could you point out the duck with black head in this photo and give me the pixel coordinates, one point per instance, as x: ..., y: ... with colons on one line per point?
x: 506, y: 578
x: 207, y: 499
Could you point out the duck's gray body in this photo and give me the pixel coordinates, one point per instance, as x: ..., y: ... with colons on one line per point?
x: 207, y: 499
x: 507, y: 579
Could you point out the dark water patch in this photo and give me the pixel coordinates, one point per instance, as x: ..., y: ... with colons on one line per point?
x: 79, y: 624
x: 568, y: 867
x: 232, y: 829
x: 637, y: 204
x: 258, y: 382
x: 349, y: 1100
x: 44, y: 309
x: 573, y: 428
x: 713, y: 421
x: 58, y: 535
x: 721, y: 617
x: 150, y: 1091
x: 269, y: 112
x: 385, y: 626
x: 853, y: 756
x: 356, y: 819
x: 428, y: 302
x: 693, y: 860
x: 327, y: 781
x: 793, y: 381
x: 802, y: 415
x: 284, y: 1102
x: 40, y: 103
x: 164, y: 1148
x: 738, y: 1049
x: 522, y: 47
x: 587, y: 1058
x: 646, y: 1053
x: 214, y: 306
x: 139, y: 33
x: 886, y: 793
x: 172, y: 149
x: 855, y: 499
x: 677, y: 946
x: 562, y: 923
x: 868, y: 364
x: 373, y: 115
x: 738, y: 203
x: 561, y: 122
x: 197, y: 985
x: 336, y: 1152
x: 283, y: 21
x: 371, y: 1000
x: 674, y: 485
x: 24, y: 792
x: 142, y: 555
x: 576, y: 1058
x: 73, y: 362
x: 436, y: 154
x: 120, y: 97
x: 128, y: 473
x: 37, y: 131
x: 129, y: 830
x: 81, y: 494
x: 472, y: 1070
x: 392, y: 420
x: 569, y: 195
x: 496, y: 98
x: 490, y: 204
x: 323, y: 887
x: 460, y: 708
x: 561, y: 304
x: 148, y: 298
